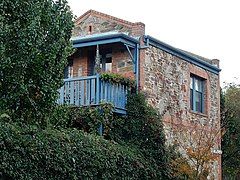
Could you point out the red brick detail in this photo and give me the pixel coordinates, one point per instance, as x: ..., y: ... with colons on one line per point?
x: 108, y: 17
x: 197, y: 71
x: 142, y: 54
x: 137, y: 28
x: 119, y: 53
x: 81, y: 61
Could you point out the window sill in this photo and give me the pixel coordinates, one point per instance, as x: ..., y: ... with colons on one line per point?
x: 198, y: 113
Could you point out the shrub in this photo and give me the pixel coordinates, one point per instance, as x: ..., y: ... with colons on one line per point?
x: 69, y: 148
x: 31, y: 153
x: 142, y: 128
x: 87, y: 118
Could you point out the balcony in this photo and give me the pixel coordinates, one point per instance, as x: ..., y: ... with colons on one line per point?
x: 93, y: 90
x: 96, y: 54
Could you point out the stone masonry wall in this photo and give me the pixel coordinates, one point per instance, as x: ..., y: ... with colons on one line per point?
x: 98, y: 25
x: 122, y: 62
x: 167, y: 87
x: 93, y: 22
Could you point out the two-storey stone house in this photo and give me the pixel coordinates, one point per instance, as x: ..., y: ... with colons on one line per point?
x: 182, y: 86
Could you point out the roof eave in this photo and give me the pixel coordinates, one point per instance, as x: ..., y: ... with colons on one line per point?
x: 104, y: 39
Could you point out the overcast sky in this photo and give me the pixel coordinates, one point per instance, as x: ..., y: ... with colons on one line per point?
x: 210, y: 28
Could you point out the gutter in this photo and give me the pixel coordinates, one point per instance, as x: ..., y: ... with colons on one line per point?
x: 77, y: 40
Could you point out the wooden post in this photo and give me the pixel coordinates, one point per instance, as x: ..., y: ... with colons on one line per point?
x: 97, y: 89
x: 97, y: 68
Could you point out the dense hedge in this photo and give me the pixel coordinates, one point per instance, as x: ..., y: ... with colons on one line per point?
x: 70, y: 147
x: 31, y: 153
x: 142, y: 128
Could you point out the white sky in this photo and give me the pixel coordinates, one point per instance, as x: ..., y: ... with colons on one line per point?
x: 209, y: 28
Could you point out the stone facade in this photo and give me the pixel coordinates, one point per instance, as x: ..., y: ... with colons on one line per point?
x: 93, y: 22
x: 167, y: 87
x: 165, y: 79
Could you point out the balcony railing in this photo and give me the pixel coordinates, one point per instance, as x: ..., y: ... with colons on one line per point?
x: 91, y: 91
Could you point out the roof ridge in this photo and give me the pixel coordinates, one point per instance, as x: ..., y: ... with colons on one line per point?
x: 91, y: 11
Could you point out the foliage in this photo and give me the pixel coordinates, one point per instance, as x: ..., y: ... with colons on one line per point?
x: 41, y: 141
x: 142, y: 131
x: 135, y: 148
x: 222, y: 107
x: 61, y: 117
x: 34, y: 44
x: 142, y: 128
x: 31, y: 153
x: 181, y: 169
x: 197, y: 143
x: 87, y: 118
x: 117, y: 78
x: 231, y: 127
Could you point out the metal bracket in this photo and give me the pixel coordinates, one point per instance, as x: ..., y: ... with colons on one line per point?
x: 129, y: 52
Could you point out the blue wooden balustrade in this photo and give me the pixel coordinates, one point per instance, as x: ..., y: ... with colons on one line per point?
x: 91, y: 91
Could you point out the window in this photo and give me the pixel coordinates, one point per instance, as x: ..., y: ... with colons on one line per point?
x: 197, y: 94
x: 106, y: 63
x: 90, y: 29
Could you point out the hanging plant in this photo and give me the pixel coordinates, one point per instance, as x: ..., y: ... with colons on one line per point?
x: 117, y: 78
